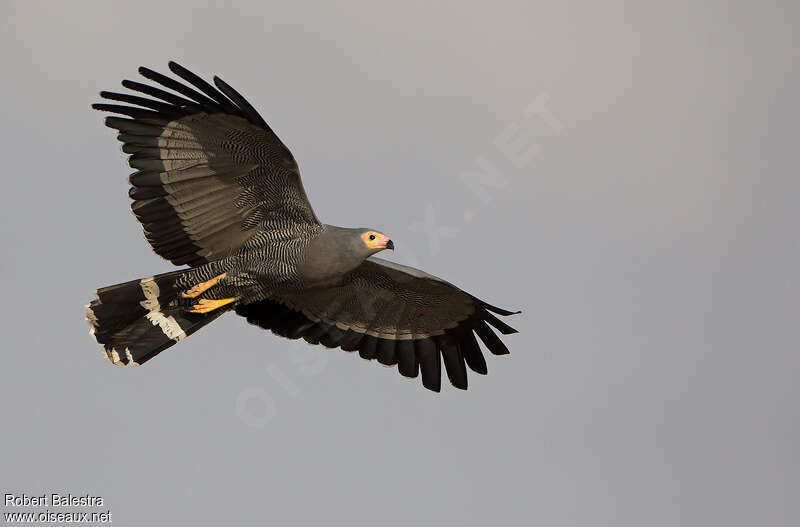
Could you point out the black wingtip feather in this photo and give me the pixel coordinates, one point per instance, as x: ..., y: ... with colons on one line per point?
x: 490, y: 339
x: 141, y: 101
x: 453, y: 363
x: 430, y: 363
x: 472, y: 352
x: 332, y: 338
x: 367, y: 348
x: 204, y: 87
x: 158, y: 93
x: 350, y: 340
x: 501, y: 326
x: 172, y: 84
x: 130, y: 111
x: 252, y: 115
x: 495, y: 309
x: 407, y: 363
x: 385, y: 352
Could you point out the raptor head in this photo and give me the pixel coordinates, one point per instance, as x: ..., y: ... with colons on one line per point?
x: 375, y: 241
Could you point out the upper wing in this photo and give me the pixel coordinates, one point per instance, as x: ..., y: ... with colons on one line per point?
x: 211, y: 173
x: 397, y: 314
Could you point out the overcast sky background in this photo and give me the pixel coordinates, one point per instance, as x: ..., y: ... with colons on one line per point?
x: 646, y: 222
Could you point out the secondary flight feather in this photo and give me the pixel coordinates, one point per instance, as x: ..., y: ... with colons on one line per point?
x: 216, y: 190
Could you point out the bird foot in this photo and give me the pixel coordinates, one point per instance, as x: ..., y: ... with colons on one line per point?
x: 202, y: 287
x: 205, y: 305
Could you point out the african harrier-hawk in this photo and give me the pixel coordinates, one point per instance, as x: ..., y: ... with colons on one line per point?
x: 215, y: 189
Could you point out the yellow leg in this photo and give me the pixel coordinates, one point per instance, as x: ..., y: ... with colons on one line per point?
x: 202, y: 287
x: 205, y: 305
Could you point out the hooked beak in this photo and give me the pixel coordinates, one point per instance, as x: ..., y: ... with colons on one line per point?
x: 389, y: 245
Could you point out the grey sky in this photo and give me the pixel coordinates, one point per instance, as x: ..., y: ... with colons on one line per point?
x: 646, y: 223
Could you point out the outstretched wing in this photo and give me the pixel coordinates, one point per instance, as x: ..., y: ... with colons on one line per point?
x: 392, y: 313
x: 210, y: 173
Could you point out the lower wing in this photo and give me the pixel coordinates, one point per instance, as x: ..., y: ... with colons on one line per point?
x: 395, y: 314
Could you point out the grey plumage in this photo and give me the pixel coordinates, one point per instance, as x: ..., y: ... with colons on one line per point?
x: 217, y: 190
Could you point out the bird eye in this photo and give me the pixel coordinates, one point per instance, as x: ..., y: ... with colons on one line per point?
x: 371, y: 236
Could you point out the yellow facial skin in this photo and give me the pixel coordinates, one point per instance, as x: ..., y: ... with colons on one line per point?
x: 376, y: 240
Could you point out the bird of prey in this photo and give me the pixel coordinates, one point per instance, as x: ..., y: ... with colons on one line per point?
x: 217, y: 191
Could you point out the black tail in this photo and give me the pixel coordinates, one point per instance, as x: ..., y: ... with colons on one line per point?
x: 134, y: 321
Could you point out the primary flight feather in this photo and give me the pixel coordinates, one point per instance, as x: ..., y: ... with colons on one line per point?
x: 215, y: 189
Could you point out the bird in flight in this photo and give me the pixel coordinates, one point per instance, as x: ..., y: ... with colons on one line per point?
x: 217, y: 191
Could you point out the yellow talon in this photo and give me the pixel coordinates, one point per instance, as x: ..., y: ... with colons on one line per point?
x: 202, y: 287
x: 205, y: 305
